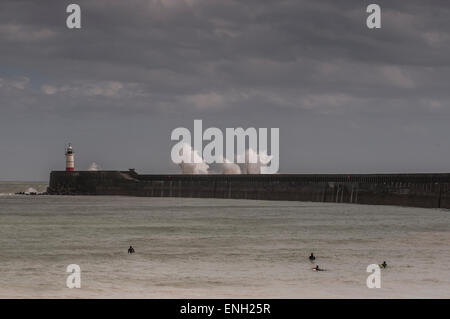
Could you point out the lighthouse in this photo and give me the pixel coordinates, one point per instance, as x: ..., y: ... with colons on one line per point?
x: 70, y: 163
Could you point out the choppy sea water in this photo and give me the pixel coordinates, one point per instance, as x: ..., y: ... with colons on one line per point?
x: 210, y: 248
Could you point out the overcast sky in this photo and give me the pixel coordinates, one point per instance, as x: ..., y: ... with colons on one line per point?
x: 346, y: 98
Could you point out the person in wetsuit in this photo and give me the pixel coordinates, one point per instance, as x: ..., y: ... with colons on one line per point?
x: 131, y: 250
x: 312, y: 257
x: 317, y: 268
x: 384, y: 265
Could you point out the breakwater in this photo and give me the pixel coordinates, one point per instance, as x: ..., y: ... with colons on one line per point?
x: 418, y: 190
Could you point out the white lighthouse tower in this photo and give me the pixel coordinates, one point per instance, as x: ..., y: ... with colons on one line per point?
x: 70, y: 163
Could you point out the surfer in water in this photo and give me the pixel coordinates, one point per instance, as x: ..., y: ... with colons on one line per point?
x: 131, y: 250
x: 312, y: 257
x: 383, y: 265
x: 317, y: 268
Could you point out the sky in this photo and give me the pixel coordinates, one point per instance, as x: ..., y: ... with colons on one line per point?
x: 347, y: 99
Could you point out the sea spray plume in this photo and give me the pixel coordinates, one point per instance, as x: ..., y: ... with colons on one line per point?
x: 94, y: 167
x: 229, y: 167
x: 191, y: 161
x: 263, y: 160
x: 254, y: 161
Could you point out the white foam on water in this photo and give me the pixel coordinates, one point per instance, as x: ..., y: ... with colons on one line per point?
x: 10, y: 188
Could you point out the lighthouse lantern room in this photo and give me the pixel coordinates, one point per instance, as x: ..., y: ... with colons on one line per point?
x: 70, y: 164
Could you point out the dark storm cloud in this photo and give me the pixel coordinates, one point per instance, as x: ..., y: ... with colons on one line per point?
x: 258, y: 62
x: 227, y: 51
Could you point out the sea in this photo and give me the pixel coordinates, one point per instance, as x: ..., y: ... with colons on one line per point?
x: 216, y: 248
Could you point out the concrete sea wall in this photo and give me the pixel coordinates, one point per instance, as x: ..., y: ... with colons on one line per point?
x: 418, y: 190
